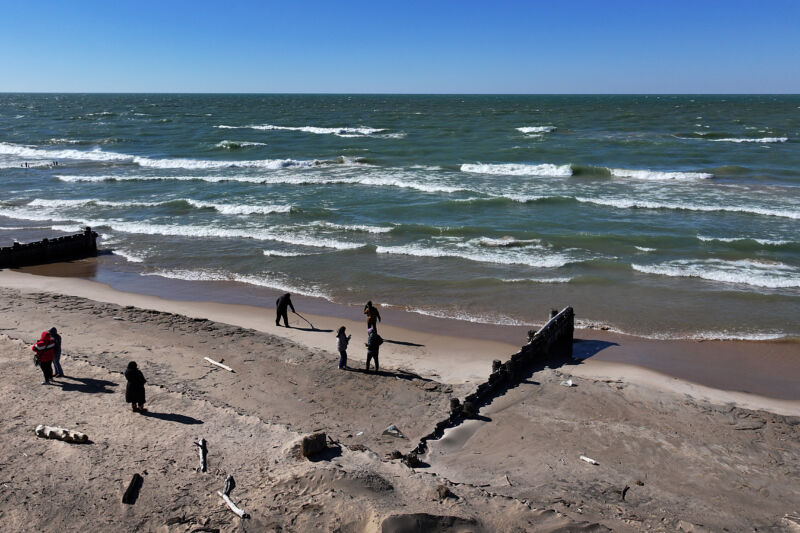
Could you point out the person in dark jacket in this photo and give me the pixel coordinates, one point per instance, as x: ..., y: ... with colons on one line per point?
x: 373, y: 345
x: 373, y: 316
x: 44, y: 351
x: 58, y: 371
x: 281, y: 304
x: 343, y: 341
x: 134, y: 390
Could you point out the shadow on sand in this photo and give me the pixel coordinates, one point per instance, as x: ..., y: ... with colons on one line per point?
x: 172, y: 417
x: 401, y: 374
x: 586, y: 348
x: 87, y: 385
x: 403, y: 343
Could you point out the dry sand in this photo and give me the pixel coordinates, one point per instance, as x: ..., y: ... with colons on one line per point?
x: 690, y: 455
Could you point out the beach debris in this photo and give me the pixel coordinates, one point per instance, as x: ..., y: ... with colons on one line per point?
x: 589, y: 460
x: 468, y: 410
x: 396, y: 454
x: 230, y: 484
x: 313, y: 444
x: 394, y: 432
x: 202, y: 451
x: 443, y: 492
x: 568, y: 383
x: 132, y: 492
x: 411, y: 460
x: 455, y: 406
x: 359, y: 433
x: 226, y: 367
x: 508, y: 481
x: 52, y: 432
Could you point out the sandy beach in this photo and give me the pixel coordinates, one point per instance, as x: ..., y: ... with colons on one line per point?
x: 687, y: 435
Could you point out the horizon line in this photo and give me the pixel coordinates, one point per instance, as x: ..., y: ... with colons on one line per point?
x: 397, y: 93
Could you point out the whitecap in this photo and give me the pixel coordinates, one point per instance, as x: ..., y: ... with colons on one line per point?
x: 537, y: 129
x: 771, y: 275
x: 755, y: 140
x: 764, y: 242
x: 518, y: 169
x: 659, y: 175
x: 628, y: 203
x: 541, y: 259
x: 340, y: 132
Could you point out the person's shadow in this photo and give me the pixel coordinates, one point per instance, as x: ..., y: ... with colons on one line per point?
x: 171, y: 417
x: 87, y: 385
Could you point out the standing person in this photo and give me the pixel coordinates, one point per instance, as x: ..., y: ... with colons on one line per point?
x: 344, y: 340
x: 59, y: 372
x: 373, y: 316
x: 373, y: 344
x: 134, y: 390
x: 281, y: 304
x: 45, y: 352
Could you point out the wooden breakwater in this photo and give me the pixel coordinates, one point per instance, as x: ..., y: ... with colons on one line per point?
x: 552, y: 342
x: 64, y: 248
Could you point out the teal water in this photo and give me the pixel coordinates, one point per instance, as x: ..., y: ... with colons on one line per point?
x: 673, y: 216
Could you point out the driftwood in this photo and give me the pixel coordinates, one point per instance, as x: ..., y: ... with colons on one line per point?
x: 226, y: 367
x: 52, y: 432
x: 132, y: 492
x: 202, y: 451
x: 230, y: 484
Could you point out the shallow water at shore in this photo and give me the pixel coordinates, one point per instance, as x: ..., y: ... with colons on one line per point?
x: 671, y: 216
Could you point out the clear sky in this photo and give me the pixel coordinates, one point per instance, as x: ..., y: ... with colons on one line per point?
x: 379, y: 46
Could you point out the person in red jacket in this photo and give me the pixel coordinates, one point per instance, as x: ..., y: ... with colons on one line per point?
x: 45, y: 352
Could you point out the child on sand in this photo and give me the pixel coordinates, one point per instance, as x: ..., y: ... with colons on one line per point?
x: 134, y: 390
x: 45, y: 350
x: 344, y: 340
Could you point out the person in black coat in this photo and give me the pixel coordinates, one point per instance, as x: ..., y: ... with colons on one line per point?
x: 134, y: 390
x: 281, y: 304
x: 373, y: 345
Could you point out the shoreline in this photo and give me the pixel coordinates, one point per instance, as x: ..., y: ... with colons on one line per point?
x: 752, y: 374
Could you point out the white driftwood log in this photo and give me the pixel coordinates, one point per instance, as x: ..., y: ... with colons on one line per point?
x: 52, y: 432
x: 230, y: 484
x: 589, y: 460
x: 226, y: 367
x: 202, y: 451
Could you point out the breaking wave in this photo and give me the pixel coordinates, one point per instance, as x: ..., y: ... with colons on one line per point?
x: 771, y: 275
x: 237, y: 145
x: 258, y: 280
x: 659, y: 175
x: 339, y: 132
x: 628, y: 203
x: 166, y: 163
x: 755, y: 140
x: 226, y: 209
x: 539, y: 259
x: 537, y: 129
x: 518, y: 169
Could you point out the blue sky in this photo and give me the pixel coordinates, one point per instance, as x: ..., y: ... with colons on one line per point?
x: 603, y: 46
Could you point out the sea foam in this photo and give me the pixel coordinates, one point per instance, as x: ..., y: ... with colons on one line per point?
x: 754, y: 140
x: 537, y: 129
x: 771, y: 275
x: 518, y: 169
x: 339, y: 132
